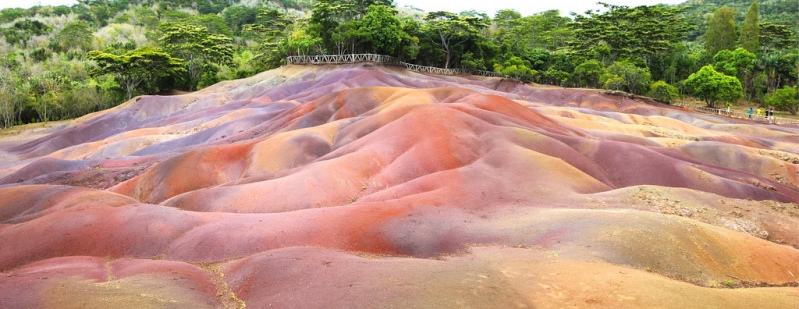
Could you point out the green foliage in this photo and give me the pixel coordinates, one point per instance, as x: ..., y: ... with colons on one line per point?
x: 633, y: 79
x: 555, y: 77
x: 23, y: 30
x: 734, y: 63
x: 516, y: 67
x: 750, y: 32
x: 785, y: 98
x: 587, y: 73
x: 136, y: 69
x: 336, y: 22
x: 546, y: 30
x: 780, y: 68
x: 720, y: 34
x: 712, y: 86
x: 381, y: 30
x: 611, y: 81
x: 200, y: 50
x: 449, y: 32
x: 75, y: 35
x: 663, y: 92
x: 237, y: 16
x: 782, y: 12
x: 640, y: 31
x: 10, y: 14
x: 272, y: 29
x: 775, y: 37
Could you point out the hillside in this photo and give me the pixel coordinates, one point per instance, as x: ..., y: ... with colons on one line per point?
x: 368, y: 186
x: 64, y: 62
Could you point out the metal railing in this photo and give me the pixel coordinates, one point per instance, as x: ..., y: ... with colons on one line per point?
x: 733, y: 114
x: 383, y: 59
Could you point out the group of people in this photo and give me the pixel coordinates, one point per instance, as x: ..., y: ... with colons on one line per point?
x: 769, y: 114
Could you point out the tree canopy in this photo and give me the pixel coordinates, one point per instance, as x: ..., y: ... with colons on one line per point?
x: 713, y: 87
x: 720, y: 34
x: 135, y: 68
x: 199, y: 49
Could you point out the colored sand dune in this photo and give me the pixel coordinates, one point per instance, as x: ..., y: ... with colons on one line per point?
x: 364, y: 186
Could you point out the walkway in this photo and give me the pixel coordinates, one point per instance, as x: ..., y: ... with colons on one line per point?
x: 356, y: 58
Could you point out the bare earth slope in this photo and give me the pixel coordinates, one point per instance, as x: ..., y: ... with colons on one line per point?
x: 365, y: 186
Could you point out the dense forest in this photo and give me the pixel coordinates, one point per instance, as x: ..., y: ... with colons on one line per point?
x: 60, y: 62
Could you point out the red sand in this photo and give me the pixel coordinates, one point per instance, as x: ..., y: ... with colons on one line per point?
x: 368, y: 186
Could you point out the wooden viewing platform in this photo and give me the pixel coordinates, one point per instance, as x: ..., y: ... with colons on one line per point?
x: 383, y: 59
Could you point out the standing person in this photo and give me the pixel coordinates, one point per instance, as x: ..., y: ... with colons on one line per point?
x: 759, y: 113
x: 771, y: 114
x: 728, y: 110
x: 767, y: 113
x: 751, y: 111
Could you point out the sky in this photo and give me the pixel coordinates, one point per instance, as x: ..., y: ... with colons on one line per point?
x: 30, y: 3
x: 525, y: 7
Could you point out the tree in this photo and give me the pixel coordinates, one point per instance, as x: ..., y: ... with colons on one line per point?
x: 336, y: 22
x: 712, y: 86
x: 634, y: 79
x: 785, y: 98
x: 516, y: 67
x: 779, y: 68
x: 381, y: 30
x: 750, y: 32
x: 199, y: 49
x: 521, y: 35
x: 448, y: 31
x: 239, y: 15
x: 663, y: 92
x: 641, y: 31
x: 587, y: 73
x: 776, y: 37
x: 136, y: 67
x: 739, y: 63
x: 720, y: 33
x: 45, y: 87
x: 271, y: 29
x: 75, y: 35
x: 555, y: 76
x: 23, y: 30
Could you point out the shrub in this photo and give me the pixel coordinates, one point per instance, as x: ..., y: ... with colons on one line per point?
x: 663, y: 92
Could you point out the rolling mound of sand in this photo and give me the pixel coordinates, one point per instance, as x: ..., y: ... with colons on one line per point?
x: 364, y: 186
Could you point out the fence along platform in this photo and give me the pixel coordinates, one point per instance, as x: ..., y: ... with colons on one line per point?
x: 723, y: 112
x: 357, y: 58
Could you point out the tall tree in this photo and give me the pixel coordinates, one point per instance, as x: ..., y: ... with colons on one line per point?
x: 776, y: 37
x: 75, y: 35
x: 336, y: 22
x: 448, y: 31
x: 588, y: 73
x: 633, y: 79
x: 135, y: 67
x: 713, y: 87
x: 720, y: 33
x: 750, y: 32
x: 381, y: 30
x: 641, y: 31
x: 739, y: 63
x: 200, y: 50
